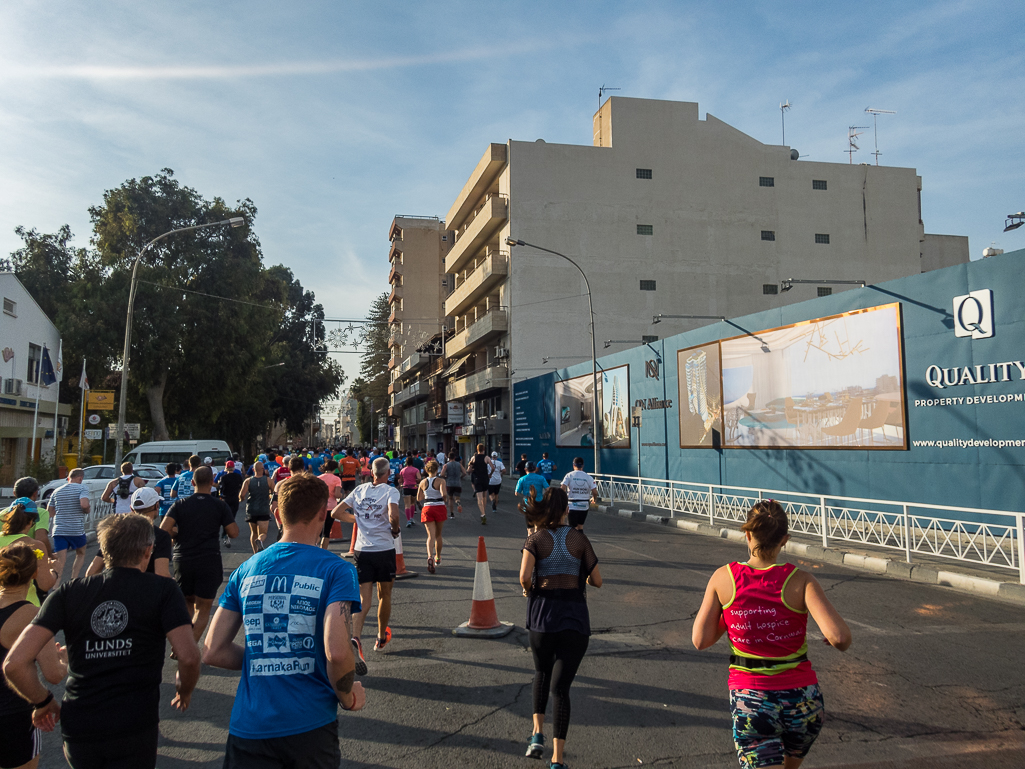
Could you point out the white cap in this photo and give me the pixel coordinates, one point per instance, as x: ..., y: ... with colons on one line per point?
x: 208, y: 461
x: 145, y: 498
x: 494, y: 454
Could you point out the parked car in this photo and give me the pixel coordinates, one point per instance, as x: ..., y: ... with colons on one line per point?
x: 98, y: 476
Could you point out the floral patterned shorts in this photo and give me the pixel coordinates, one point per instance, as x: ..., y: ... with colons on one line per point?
x: 769, y: 725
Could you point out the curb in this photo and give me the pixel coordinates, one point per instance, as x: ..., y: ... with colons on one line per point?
x: 1010, y: 592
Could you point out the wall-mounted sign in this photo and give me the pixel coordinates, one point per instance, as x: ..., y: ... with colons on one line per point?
x: 94, y: 419
x: 973, y: 314
x: 94, y: 435
x: 456, y: 413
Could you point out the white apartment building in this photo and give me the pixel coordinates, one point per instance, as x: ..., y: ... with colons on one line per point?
x: 666, y: 213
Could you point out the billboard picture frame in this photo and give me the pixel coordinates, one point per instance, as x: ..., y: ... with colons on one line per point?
x: 617, y: 433
x: 573, y: 410
x: 699, y: 416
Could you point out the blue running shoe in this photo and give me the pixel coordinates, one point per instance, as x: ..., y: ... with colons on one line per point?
x: 536, y: 746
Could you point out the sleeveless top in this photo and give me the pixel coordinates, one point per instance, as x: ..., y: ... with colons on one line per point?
x: 453, y: 474
x: 9, y: 701
x: 481, y: 472
x: 408, y: 477
x: 767, y: 637
x: 432, y: 496
x: 558, y: 599
x: 258, y: 500
x: 125, y: 485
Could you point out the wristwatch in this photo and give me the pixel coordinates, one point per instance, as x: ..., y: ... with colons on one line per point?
x: 44, y: 703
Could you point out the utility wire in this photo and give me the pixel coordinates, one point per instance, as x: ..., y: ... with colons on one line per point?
x: 212, y: 296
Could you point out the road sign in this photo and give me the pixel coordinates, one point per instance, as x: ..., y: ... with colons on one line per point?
x: 100, y: 400
x: 94, y: 435
x: 133, y: 430
x: 94, y: 419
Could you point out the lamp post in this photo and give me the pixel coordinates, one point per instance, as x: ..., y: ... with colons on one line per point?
x: 789, y: 283
x: 235, y: 221
x: 595, y: 424
x: 1014, y: 221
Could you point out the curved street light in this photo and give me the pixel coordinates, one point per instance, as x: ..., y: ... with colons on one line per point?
x: 235, y: 221
x: 595, y: 424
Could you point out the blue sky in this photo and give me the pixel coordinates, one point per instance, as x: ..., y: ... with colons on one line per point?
x: 335, y: 116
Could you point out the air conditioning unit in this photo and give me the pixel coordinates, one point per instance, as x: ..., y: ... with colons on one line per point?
x: 12, y: 387
x: 501, y: 353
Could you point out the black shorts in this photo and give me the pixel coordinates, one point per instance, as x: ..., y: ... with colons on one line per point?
x: 232, y: 505
x: 375, y: 566
x: 135, y: 750
x: 409, y: 491
x: 480, y: 487
x: 200, y: 577
x: 454, y: 491
x: 317, y: 749
x: 253, y: 517
x: 348, y: 485
x: 494, y: 487
x: 576, y: 517
x: 21, y: 740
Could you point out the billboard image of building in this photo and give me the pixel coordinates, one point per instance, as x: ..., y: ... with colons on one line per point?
x: 573, y: 412
x: 614, y: 385
x: 700, y: 409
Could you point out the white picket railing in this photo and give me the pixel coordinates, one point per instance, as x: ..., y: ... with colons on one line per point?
x: 98, y: 510
x: 969, y: 535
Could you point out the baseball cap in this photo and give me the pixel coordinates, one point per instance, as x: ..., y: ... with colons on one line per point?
x: 208, y: 461
x: 145, y: 498
x: 262, y: 457
x: 229, y: 465
x: 494, y: 454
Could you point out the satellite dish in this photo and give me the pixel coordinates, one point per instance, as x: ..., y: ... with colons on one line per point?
x: 794, y: 154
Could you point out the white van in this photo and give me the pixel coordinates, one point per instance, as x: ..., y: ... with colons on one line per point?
x: 161, y: 452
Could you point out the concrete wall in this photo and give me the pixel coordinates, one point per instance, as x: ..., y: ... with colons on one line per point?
x: 939, y: 251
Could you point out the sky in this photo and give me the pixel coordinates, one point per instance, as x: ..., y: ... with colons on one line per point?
x: 333, y: 117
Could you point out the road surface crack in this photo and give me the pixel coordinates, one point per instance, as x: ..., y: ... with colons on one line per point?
x: 522, y: 688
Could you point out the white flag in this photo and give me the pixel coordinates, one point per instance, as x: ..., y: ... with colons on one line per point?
x: 58, y: 365
x: 83, y: 381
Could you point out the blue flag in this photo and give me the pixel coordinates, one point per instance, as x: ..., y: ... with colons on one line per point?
x: 47, y: 374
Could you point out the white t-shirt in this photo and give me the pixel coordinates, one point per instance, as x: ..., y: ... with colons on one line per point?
x: 496, y: 473
x: 441, y: 458
x: 579, y: 486
x: 369, y: 504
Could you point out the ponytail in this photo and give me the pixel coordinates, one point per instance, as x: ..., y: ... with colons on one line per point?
x: 767, y: 524
x: 18, y: 564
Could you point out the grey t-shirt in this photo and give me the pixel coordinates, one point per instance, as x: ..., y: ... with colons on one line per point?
x: 453, y: 473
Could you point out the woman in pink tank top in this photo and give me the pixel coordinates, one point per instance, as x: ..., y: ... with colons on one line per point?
x: 763, y: 606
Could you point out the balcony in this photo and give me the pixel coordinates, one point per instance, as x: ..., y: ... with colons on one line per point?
x: 480, y: 228
x: 393, y: 362
x: 393, y: 337
x: 409, y: 393
x: 412, y: 363
x: 481, y: 179
x: 395, y: 313
x: 396, y: 293
x: 486, y: 379
x: 492, y: 325
x: 394, y: 272
x: 488, y: 274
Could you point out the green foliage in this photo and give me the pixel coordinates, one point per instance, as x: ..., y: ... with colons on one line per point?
x: 372, y: 383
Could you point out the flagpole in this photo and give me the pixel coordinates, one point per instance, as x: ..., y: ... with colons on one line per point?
x: 35, y: 416
x: 56, y: 403
x: 82, y: 383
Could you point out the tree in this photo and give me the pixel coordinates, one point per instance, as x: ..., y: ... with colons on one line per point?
x: 372, y: 383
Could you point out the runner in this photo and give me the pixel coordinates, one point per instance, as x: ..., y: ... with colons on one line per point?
x: 453, y: 473
x: 395, y: 465
x: 146, y: 501
x: 19, y: 738
x: 374, y: 508
x: 581, y: 489
x: 292, y: 465
x: 351, y: 471
x: 366, y: 472
x: 547, y: 467
x: 531, y: 485
x: 256, y: 492
x: 495, y: 481
x: 116, y: 625
x: 19, y: 522
x: 195, y: 523
x: 521, y: 466
x: 480, y: 468
x: 119, y: 491
x: 183, y: 487
x: 165, y: 485
x: 285, y: 712
x: 334, y: 488
x: 229, y: 485
x: 26, y: 490
x: 68, y: 506
x: 774, y: 695
x: 441, y: 458
x: 409, y: 478
x: 432, y: 492
x: 557, y: 562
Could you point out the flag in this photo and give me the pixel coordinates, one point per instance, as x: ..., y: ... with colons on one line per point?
x: 46, y: 374
x: 83, y: 381
x: 59, y: 368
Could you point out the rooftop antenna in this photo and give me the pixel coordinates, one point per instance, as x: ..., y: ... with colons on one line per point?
x: 602, y: 90
x: 875, y: 113
x: 782, y: 116
x: 853, y: 132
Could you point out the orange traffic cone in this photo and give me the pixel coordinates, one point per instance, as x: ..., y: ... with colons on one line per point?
x: 401, y: 572
x: 352, y: 544
x: 336, y: 531
x: 484, y: 622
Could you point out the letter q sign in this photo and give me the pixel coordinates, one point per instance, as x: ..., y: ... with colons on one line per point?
x: 973, y: 314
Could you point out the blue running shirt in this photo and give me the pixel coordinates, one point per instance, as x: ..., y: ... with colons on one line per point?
x: 282, y: 593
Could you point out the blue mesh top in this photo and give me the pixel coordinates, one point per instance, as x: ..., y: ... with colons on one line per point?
x: 563, y: 560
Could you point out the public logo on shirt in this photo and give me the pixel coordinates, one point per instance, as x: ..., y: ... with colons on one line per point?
x: 109, y: 619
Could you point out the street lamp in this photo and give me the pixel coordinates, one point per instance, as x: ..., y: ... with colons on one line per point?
x: 1014, y: 221
x: 595, y: 424
x: 658, y: 318
x: 235, y: 221
x: 786, y: 285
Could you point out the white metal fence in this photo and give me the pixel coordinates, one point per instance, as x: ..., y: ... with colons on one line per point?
x: 98, y: 510
x: 970, y: 535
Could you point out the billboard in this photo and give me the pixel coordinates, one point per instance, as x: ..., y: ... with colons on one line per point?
x: 834, y: 382
x: 573, y: 415
x: 614, y: 390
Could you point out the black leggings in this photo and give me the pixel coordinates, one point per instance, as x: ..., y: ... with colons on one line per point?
x: 556, y: 659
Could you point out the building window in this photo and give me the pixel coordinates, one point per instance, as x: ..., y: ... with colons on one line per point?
x: 770, y: 289
x: 645, y: 229
x: 648, y: 339
x: 818, y: 184
x: 768, y: 235
x: 444, y: 238
x: 643, y: 173
x: 825, y: 291
x: 10, y: 307
x: 766, y: 181
x: 35, y: 358
x: 647, y: 285
x: 821, y: 237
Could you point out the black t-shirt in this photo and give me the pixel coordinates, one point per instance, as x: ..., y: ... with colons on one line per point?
x: 231, y: 485
x: 521, y: 467
x: 114, y: 626
x: 199, y: 519
x: 162, y: 547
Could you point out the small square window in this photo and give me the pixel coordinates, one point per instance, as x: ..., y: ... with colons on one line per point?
x: 647, y: 339
x: 444, y: 238
x: 821, y: 237
x: 825, y: 291
x: 645, y: 229
x: 766, y: 181
x: 643, y: 173
x: 10, y: 307
x: 770, y: 289
x: 818, y: 184
x: 647, y: 285
x: 768, y: 235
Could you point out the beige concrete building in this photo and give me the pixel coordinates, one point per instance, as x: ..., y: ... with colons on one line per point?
x: 666, y: 213
x: 419, y: 284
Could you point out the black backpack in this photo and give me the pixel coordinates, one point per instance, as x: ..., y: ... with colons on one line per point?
x: 124, y: 487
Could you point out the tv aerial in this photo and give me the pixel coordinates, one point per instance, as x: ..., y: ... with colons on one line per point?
x: 853, y: 132
x: 875, y: 113
x: 784, y: 107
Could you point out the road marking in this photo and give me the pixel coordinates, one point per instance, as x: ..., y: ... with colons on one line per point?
x: 704, y: 575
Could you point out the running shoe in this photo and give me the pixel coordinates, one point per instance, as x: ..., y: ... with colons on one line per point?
x: 409, y: 523
x: 259, y: 545
x: 483, y: 520
x: 554, y: 765
x: 382, y: 642
x: 227, y: 543
x: 494, y: 506
x: 361, y: 663
x: 430, y: 565
x: 536, y: 746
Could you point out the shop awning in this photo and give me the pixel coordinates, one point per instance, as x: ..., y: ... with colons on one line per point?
x: 455, y: 366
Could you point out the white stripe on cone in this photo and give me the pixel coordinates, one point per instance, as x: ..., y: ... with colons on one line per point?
x: 482, y: 582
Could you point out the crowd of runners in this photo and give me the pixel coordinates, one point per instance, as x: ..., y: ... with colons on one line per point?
x: 303, y: 608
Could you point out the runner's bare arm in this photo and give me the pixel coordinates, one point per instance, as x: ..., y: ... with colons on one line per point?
x: 527, y: 571
x: 107, y: 495
x: 393, y: 517
x: 161, y: 567
x: 219, y: 648
x: 168, y: 524
x: 709, y: 625
x: 832, y: 625
x: 342, y: 513
x: 96, y: 567
x: 341, y: 661
x: 244, y: 491
x: 187, y: 654
x: 20, y: 665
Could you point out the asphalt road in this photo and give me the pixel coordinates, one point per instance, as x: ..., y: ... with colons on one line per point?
x: 933, y: 679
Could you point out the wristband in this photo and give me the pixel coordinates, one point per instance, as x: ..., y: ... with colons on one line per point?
x: 44, y: 703
x: 353, y: 702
